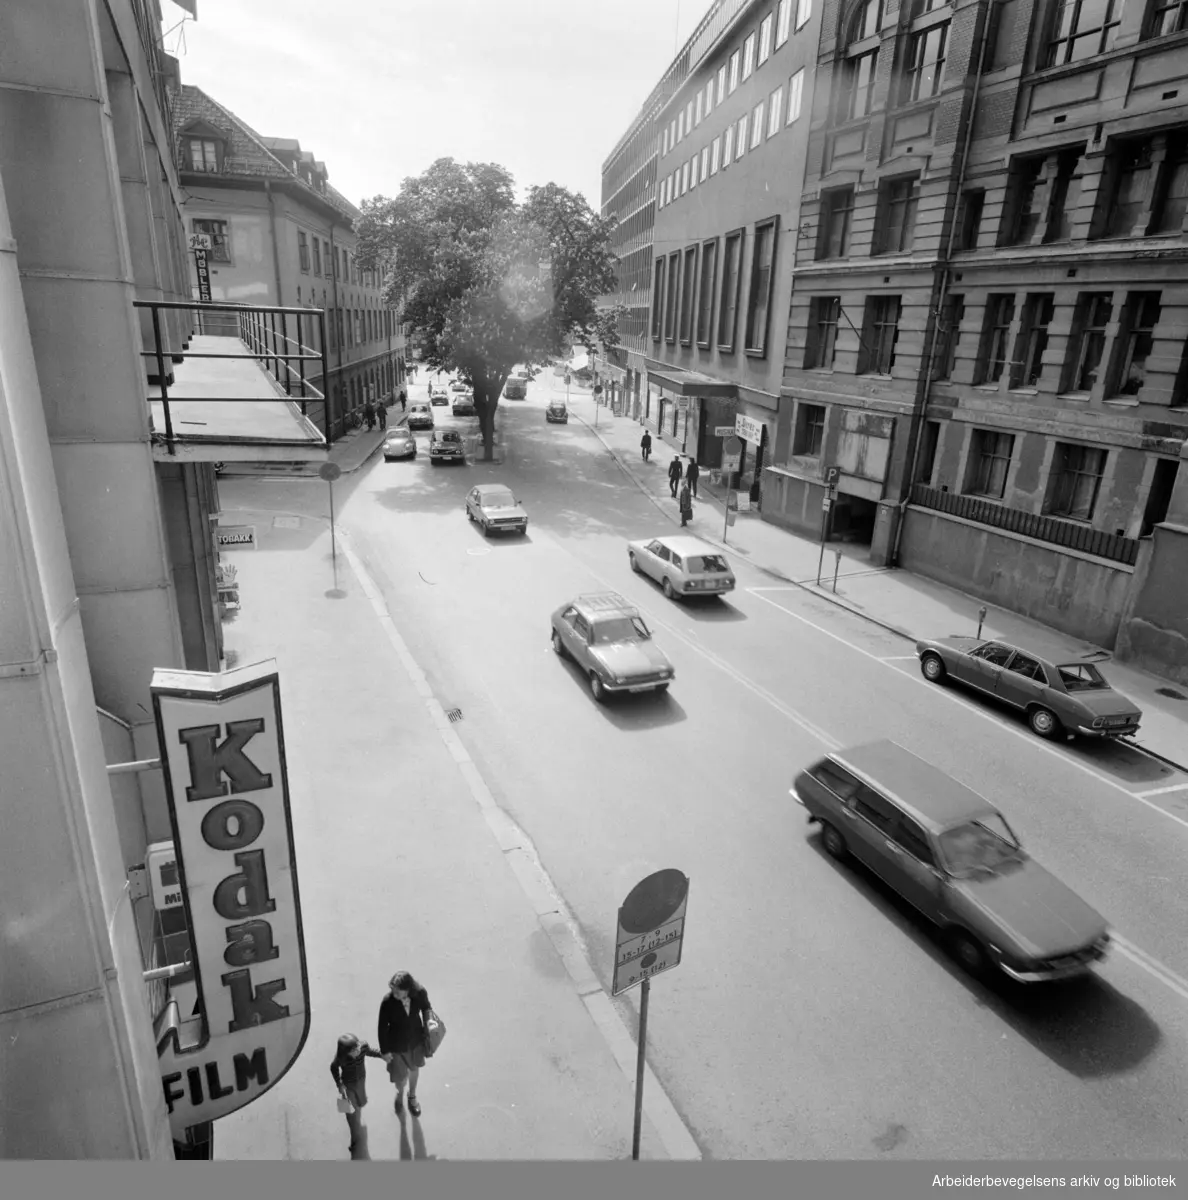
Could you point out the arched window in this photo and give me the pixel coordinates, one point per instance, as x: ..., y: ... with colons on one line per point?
x: 856, y: 88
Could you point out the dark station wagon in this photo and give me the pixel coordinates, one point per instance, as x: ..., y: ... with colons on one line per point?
x: 952, y: 855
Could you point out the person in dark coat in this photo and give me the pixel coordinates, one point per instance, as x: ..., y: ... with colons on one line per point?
x: 674, y: 474
x: 403, y: 399
x: 349, y: 1070
x: 692, y: 472
x: 645, y: 445
x: 369, y: 414
x: 381, y: 410
x: 686, y: 501
x: 403, y: 1037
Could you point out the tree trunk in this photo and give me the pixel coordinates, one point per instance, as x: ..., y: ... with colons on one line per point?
x: 486, y: 415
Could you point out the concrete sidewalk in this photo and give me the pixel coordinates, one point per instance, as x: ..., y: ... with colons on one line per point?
x: 405, y: 861
x: 904, y: 603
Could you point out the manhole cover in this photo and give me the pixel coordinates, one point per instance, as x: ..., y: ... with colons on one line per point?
x: 1170, y: 693
x: 454, y: 714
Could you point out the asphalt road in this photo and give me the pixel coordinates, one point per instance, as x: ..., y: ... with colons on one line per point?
x: 813, y: 1015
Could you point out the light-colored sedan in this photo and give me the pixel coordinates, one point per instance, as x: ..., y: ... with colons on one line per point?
x: 682, y: 566
x: 399, y: 444
x: 496, y: 509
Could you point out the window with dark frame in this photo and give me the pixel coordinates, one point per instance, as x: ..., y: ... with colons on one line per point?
x: 728, y: 301
x: 317, y: 256
x: 1164, y: 17
x: 762, y: 280
x: 220, y: 243
x: 969, y: 221
x: 204, y: 154
x: 824, y: 312
x: 1057, y: 219
x: 948, y: 335
x: 1147, y: 187
x: 1000, y: 33
x: 810, y: 430
x: 672, y: 290
x: 657, y: 299
x: 1082, y: 29
x: 833, y: 233
x: 925, y: 66
x: 303, y: 250
x: 1136, y: 339
x: 1171, y: 193
x: 880, y: 332
x: 857, y: 75
x: 929, y: 443
x: 688, y: 294
x: 1075, y: 481
x: 705, y: 292
x: 1086, y: 345
x: 895, y: 222
x: 1027, y: 368
x: 992, y: 355
x: 989, y: 462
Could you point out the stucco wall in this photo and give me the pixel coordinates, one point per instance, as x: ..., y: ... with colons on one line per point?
x: 1154, y: 634
x: 1080, y: 596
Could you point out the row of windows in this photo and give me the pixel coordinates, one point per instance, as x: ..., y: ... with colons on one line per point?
x: 757, y: 47
x: 336, y: 260
x: 768, y: 117
x: 1008, y: 343
x: 895, y: 218
x: 351, y: 327
x: 686, y: 284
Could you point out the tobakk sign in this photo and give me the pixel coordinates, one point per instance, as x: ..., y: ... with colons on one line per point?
x: 223, y: 753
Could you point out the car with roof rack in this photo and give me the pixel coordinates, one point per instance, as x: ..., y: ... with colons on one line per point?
x: 609, y: 640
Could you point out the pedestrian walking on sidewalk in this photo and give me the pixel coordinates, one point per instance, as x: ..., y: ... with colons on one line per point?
x: 403, y: 399
x: 403, y: 1037
x: 369, y: 414
x: 686, y: 502
x: 674, y: 474
x: 692, y: 474
x: 383, y: 416
x: 349, y: 1070
x: 645, y: 445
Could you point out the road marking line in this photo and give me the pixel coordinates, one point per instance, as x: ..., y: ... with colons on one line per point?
x: 1165, y: 975
x: 1163, y: 791
x: 1030, y: 739
x: 538, y: 888
x: 899, y: 658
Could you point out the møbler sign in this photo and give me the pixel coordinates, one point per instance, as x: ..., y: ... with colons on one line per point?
x: 223, y: 751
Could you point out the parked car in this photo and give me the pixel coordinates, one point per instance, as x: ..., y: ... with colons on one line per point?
x: 515, y: 389
x: 400, y: 443
x: 446, y: 446
x: 463, y: 405
x: 683, y: 566
x: 420, y: 416
x: 951, y: 854
x: 496, y: 509
x: 612, y: 645
x: 458, y: 386
x: 439, y: 399
x: 557, y: 412
x: 1059, y: 697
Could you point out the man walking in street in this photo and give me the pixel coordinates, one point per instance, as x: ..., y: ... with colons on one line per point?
x: 645, y: 445
x: 674, y: 474
x: 383, y: 415
x: 686, y: 502
x: 403, y: 399
x: 692, y: 473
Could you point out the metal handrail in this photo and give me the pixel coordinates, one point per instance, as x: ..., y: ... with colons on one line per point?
x: 256, y: 328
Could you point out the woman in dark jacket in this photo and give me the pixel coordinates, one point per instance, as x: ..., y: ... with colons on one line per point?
x: 686, y: 503
x: 403, y: 1036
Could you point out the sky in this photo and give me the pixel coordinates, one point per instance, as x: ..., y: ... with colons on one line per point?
x: 379, y: 89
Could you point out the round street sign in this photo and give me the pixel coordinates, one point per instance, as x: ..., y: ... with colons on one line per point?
x: 653, y: 901
x: 651, y: 929
x: 732, y: 446
x: 329, y: 471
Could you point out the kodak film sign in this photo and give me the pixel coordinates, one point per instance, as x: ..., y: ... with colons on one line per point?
x: 223, y: 754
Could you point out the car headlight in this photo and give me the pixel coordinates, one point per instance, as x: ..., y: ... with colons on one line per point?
x: 1098, y: 722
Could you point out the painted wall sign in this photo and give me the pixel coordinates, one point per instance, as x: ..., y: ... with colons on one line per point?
x: 223, y: 752
x: 748, y: 429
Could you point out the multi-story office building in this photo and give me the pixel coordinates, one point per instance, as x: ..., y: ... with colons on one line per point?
x: 107, y: 539
x: 280, y: 234
x: 986, y: 347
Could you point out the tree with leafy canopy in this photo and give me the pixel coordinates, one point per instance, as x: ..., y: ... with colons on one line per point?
x: 486, y: 282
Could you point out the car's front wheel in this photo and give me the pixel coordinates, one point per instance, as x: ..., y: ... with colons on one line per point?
x: 968, y: 951
x: 667, y: 586
x: 558, y: 648
x: 634, y: 564
x: 1044, y: 722
x: 834, y: 843
x: 596, y: 688
x: 932, y: 668
x: 486, y: 529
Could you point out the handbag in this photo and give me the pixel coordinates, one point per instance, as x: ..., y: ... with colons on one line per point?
x: 345, y: 1106
x: 435, y: 1032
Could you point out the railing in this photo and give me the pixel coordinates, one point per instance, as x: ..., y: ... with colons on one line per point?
x: 1044, y: 529
x: 279, y: 339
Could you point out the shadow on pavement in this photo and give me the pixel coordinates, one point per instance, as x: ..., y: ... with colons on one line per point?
x: 1084, y: 1025
x: 628, y: 711
x: 701, y: 608
x: 414, y: 1151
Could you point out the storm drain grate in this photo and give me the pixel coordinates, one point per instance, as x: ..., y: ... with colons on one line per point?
x: 454, y: 714
x: 1170, y: 693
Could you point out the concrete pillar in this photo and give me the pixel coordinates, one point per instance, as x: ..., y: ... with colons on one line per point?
x: 78, y: 1063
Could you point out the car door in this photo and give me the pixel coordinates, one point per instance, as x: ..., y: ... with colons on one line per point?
x: 875, y: 819
x: 656, y: 558
x: 1022, y: 682
x: 472, y: 502
x: 910, y: 867
x: 677, y: 572
x: 579, y: 640
x: 985, y: 665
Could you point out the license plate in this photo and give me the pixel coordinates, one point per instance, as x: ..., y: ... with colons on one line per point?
x: 643, y: 687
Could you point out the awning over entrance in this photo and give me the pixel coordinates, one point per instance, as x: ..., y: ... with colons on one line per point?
x: 690, y: 383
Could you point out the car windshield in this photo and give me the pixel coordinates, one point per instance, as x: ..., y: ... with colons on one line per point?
x: 977, y: 846
x: 621, y: 629
x: 450, y: 436
x: 706, y: 563
x: 1081, y: 677
x: 501, y: 499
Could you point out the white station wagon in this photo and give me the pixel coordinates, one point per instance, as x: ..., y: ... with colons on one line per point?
x: 683, y: 566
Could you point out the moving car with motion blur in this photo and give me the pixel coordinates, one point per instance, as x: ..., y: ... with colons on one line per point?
x: 682, y: 566
x: 399, y: 444
x: 439, y: 399
x: 557, y: 413
x: 515, y: 389
x: 1066, y: 697
x: 420, y: 416
x: 495, y: 509
x: 608, y: 639
x: 446, y: 446
x: 951, y: 854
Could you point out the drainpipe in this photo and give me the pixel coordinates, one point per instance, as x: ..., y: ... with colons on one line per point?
x: 338, y: 332
x: 280, y: 299
x: 942, y: 290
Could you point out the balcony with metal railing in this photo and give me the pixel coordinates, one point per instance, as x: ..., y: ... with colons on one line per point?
x: 248, y: 386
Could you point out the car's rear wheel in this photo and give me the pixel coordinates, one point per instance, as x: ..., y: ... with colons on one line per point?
x: 968, y: 951
x: 558, y: 647
x: 596, y: 688
x: 634, y: 564
x: 486, y: 529
x: 667, y: 585
x: 1044, y: 722
x: 832, y: 840
x: 932, y: 668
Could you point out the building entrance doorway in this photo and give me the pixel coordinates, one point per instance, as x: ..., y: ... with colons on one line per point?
x: 853, y: 520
